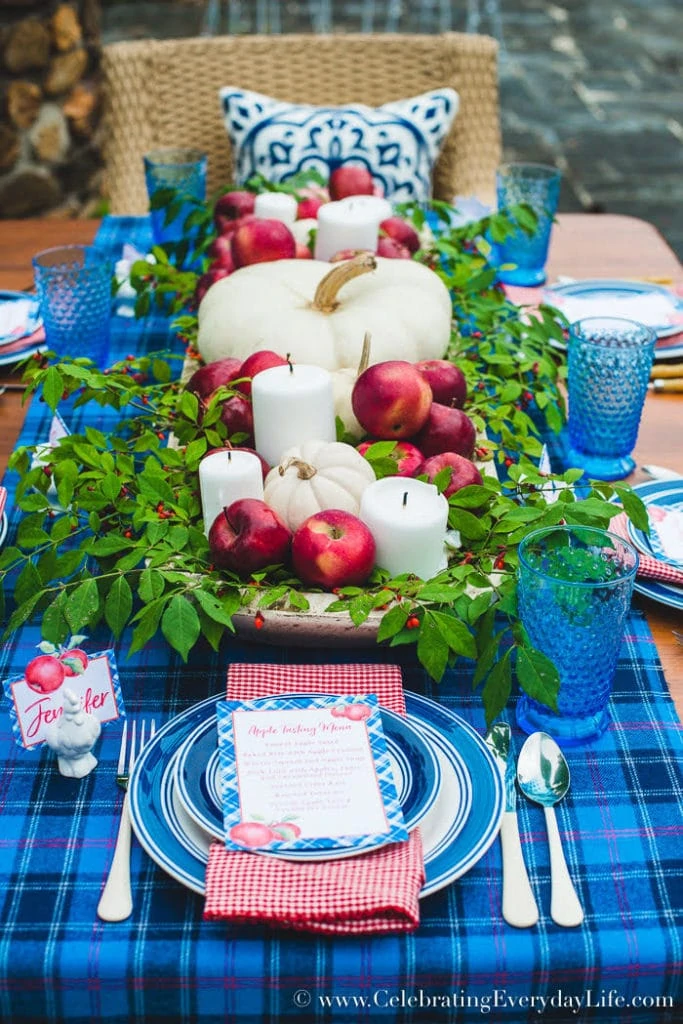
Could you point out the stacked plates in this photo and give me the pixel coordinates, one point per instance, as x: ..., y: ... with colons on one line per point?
x: 21, y: 331
x: 446, y: 779
x: 668, y: 494
x: 606, y: 297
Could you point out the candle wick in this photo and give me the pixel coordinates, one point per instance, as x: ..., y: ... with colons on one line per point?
x: 229, y: 455
x: 288, y: 357
x: 405, y: 498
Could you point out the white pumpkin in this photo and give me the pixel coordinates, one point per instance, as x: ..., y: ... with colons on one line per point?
x: 315, y: 476
x: 320, y: 315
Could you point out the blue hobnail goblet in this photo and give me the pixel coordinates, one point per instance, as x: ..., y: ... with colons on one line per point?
x: 574, y: 592
x: 73, y: 283
x: 538, y: 186
x: 609, y: 368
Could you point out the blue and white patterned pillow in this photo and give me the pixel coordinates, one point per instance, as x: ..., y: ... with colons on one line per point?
x: 398, y: 142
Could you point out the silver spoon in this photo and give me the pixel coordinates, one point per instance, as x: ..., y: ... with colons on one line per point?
x: 543, y: 776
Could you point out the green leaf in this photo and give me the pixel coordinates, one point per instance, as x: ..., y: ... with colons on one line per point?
x: 21, y: 614
x: 82, y: 605
x: 455, y: 633
x: 54, y: 626
x: 432, y: 647
x: 34, y: 503
x: 67, y: 564
x: 393, y: 622
x: 151, y: 585
x: 118, y: 605
x: 213, y: 608
x: 112, y: 544
x: 31, y: 536
x: 634, y: 508
x: 147, y: 626
x: 538, y: 676
x: 497, y: 688
x: 469, y: 525
x: 111, y: 486
x: 472, y: 496
x: 53, y: 387
x: 180, y: 625
x: 28, y: 582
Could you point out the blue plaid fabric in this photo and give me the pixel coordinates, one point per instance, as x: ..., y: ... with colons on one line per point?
x: 621, y: 827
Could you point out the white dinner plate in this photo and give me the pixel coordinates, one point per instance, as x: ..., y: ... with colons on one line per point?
x: 174, y: 841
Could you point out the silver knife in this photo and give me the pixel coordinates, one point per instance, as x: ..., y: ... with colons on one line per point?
x: 519, y: 903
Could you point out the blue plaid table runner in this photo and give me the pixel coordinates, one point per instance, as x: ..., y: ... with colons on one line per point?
x: 621, y: 827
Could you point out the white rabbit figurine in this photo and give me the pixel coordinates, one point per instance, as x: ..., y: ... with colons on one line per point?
x: 72, y: 738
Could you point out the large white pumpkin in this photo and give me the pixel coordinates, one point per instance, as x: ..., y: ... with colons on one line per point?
x: 319, y: 314
x: 316, y: 476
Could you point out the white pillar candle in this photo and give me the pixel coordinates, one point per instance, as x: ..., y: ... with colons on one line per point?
x: 376, y: 206
x: 276, y: 206
x: 291, y: 404
x: 226, y: 476
x: 407, y: 519
x: 343, y: 225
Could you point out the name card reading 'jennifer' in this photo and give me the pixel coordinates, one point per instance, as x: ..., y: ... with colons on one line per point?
x: 37, y: 700
x: 303, y: 773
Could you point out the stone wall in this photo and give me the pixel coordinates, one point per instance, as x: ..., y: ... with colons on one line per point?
x: 50, y: 108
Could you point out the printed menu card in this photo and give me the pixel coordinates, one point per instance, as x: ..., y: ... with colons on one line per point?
x: 307, y: 774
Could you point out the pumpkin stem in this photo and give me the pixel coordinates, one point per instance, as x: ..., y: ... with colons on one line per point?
x: 305, y: 470
x: 365, y: 354
x: 325, y: 298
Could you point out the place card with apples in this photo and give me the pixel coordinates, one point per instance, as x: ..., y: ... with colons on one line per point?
x: 129, y: 545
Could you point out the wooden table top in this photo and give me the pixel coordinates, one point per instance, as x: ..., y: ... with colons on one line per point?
x: 583, y: 245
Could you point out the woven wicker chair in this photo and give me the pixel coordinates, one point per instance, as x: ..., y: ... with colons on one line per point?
x: 164, y: 93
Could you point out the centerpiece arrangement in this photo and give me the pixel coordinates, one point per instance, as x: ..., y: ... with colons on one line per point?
x: 428, y: 392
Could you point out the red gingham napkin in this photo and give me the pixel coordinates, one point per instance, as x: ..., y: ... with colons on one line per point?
x: 374, y: 892
x: 649, y: 568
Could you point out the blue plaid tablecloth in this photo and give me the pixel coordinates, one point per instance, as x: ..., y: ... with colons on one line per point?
x: 621, y: 827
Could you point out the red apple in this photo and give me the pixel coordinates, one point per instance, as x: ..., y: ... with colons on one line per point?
x: 220, y: 253
x: 390, y: 249
x: 248, y: 536
x: 349, y: 180
x: 402, y: 232
x: 333, y: 549
x: 209, y: 378
x: 252, y: 833
x: 231, y: 206
x: 448, y: 383
x: 262, y: 240
x: 74, y: 661
x: 255, y: 363
x: 45, y: 673
x: 309, y: 207
x: 391, y: 400
x: 303, y: 252
x: 208, y: 278
x: 463, y: 471
x: 407, y: 457
x: 237, y: 415
x: 446, y: 430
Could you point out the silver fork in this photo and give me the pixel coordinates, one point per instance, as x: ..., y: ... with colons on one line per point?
x: 116, y: 901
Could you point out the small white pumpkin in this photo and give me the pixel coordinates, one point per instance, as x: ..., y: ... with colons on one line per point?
x: 316, y: 476
x: 320, y: 315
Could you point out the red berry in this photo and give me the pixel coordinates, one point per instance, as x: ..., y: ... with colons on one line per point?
x: 413, y: 622
x: 259, y: 620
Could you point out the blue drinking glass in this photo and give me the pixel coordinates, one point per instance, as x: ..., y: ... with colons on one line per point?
x: 609, y: 368
x: 539, y: 187
x: 184, y: 171
x: 74, y: 290
x: 574, y: 592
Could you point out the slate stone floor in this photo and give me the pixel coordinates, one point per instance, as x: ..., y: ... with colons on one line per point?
x: 593, y: 86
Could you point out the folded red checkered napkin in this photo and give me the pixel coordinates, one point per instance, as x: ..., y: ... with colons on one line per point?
x: 374, y: 892
x: 648, y: 567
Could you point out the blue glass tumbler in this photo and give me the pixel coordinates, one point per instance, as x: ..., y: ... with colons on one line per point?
x: 539, y: 187
x: 74, y: 290
x: 574, y: 592
x: 184, y: 171
x: 609, y: 368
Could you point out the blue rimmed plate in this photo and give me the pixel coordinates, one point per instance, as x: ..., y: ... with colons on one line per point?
x: 29, y: 323
x: 611, y: 290
x: 416, y: 769
x: 660, y: 492
x: 3, y: 528
x: 175, y: 842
